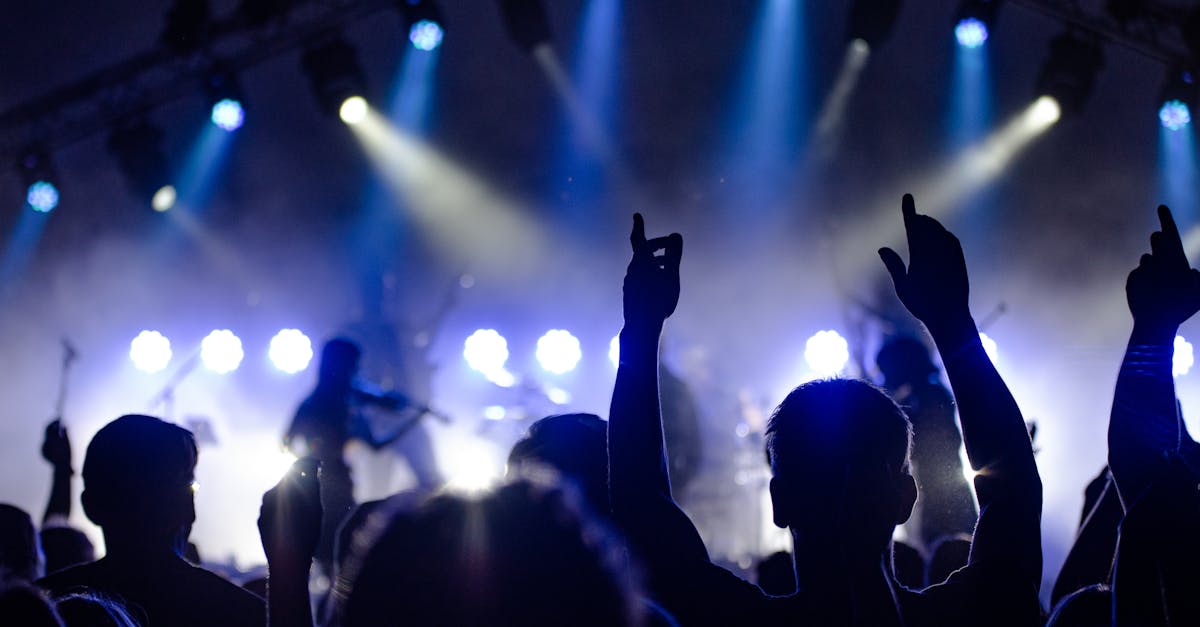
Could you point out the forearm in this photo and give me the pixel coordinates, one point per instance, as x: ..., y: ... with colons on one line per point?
x: 637, y: 460
x: 1144, y: 424
x: 993, y: 429
x: 59, y: 503
x: 288, y: 603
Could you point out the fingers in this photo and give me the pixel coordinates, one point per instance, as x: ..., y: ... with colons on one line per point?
x: 673, y: 250
x: 894, y: 265
x: 908, y: 208
x: 1170, y: 244
x: 638, y: 237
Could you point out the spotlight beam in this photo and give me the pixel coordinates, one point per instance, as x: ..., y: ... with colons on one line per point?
x: 828, y: 133
x: 946, y: 188
x: 465, y: 216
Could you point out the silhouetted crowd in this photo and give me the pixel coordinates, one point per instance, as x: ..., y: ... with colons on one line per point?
x: 585, y: 530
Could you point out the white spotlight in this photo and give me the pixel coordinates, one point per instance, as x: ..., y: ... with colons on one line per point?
x: 1045, y: 111
x: 827, y: 353
x: 1183, y: 357
x: 558, y: 351
x: 150, y: 351
x: 290, y: 351
x: 221, y: 351
x: 164, y: 198
x: 353, y: 110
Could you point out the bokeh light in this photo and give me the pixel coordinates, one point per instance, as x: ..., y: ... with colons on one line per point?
x: 221, y: 351
x: 426, y: 35
x: 290, y: 351
x: 150, y: 351
x: 42, y: 196
x: 558, y: 351
x: 228, y: 114
x: 1175, y: 115
x: 827, y: 353
x: 971, y: 32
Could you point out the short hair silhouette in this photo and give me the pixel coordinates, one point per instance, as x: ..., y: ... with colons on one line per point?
x: 838, y: 420
x: 521, y: 555
x: 19, y: 555
x: 575, y: 445
x: 138, y: 473
x: 839, y: 456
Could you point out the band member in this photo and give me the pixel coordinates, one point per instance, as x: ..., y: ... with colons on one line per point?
x: 330, y: 418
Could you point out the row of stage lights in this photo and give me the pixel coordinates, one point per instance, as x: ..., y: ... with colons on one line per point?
x: 1070, y: 69
x: 337, y: 80
x: 339, y: 84
x: 558, y: 352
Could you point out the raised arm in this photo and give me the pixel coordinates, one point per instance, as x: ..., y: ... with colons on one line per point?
x: 934, y: 287
x: 56, y: 449
x: 289, y: 524
x: 637, y: 459
x: 1163, y: 292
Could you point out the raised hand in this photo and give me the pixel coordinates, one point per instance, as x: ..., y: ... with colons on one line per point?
x: 1163, y: 291
x: 651, y: 282
x: 934, y: 286
x: 56, y: 446
x: 290, y: 519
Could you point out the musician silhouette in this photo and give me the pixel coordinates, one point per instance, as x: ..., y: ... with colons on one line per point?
x: 328, y: 420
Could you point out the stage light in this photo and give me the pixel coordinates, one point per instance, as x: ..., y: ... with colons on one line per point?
x: 137, y: 149
x: 486, y: 352
x: 1069, y: 71
x: 42, y: 196
x: 989, y: 347
x: 1174, y: 114
x: 827, y: 353
x: 426, y: 35
x: 971, y: 33
x: 150, y: 351
x: 1183, y: 357
x: 164, y: 199
x: 353, y: 110
x: 526, y: 22
x: 494, y: 412
x: 614, y: 351
x: 290, y: 351
x: 973, y: 21
x: 221, y: 351
x: 334, y: 73
x: 1045, y: 111
x: 1177, y: 94
x: 558, y: 351
x: 228, y: 115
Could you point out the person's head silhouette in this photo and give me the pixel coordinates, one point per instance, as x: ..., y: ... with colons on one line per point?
x: 20, y: 557
x: 138, y: 484
x: 575, y: 445
x: 905, y: 360
x: 339, y: 363
x: 838, y: 451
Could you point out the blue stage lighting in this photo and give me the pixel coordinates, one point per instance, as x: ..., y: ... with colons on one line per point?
x: 827, y: 353
x: 1175, y: 114
x: 221, y: 351
x: 290, y: 351
x: 558, y: 351
x: 150, y: 351
x: 42, y: 196
x: 426, y: 35
x: 228, y: 114
x: 971, y: 32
